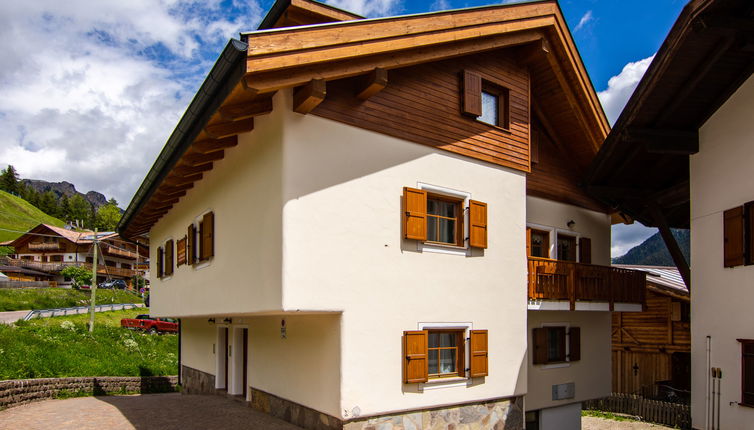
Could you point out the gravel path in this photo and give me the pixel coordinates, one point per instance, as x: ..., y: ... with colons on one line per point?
x: 594, y: 423
x: 149, y: 411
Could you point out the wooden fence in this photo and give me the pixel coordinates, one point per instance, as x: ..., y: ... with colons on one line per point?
x: 666, y: 413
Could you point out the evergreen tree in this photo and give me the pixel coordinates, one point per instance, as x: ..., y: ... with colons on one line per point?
x: 9, y: 180
x: 78, y: 209
x: 108, y: 216
x: 48, y: 203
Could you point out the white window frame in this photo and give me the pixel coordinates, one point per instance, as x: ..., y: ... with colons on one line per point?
x: 566, y: 363
x: 439, y: 248
x: 554, y: 232
x: 459, y: 381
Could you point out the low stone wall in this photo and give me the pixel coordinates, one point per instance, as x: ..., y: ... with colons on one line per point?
x: 293, y: 412
x: 196, y: 382
x: 21, y: 391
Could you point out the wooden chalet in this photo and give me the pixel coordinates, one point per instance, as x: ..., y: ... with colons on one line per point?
x: 652, y: 349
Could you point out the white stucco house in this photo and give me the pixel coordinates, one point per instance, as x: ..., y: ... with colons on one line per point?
x: 679, y: 156
x: 378, y: 222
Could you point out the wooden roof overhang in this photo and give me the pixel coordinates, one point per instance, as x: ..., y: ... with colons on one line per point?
x: 642, y: 169
x: 246, y: 76
x: 289, y: 13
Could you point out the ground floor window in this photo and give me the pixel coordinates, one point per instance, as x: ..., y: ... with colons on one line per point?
x: 747, y: 372
x: 445, y: 353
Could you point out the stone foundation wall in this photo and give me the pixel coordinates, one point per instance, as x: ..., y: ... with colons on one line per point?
x: 196, y: 382
x: 500, y: 414
x: 22, y: 391
x: 293, y: 412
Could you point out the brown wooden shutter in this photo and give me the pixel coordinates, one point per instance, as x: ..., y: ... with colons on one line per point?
x: 479, y: 352
x: 191, y: 244
x: 574, y: 344
x: 747, y: 371
x: 477, y: 224
x: 168, y: 267
x: 414, y: 214
x: 207, y: 239
x: 528, y: 242
x: 733, y: 237
x: 471, y: 95
x: 159, y: 262
x: 180, y: 252
x: 539, y: 355
x: 415, y: 364
x: 585, y: 250
x: 749, y: 233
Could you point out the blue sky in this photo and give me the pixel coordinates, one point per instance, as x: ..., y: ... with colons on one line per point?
x: 77, y: 77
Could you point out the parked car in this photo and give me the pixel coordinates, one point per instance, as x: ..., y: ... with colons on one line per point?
x: 114, y: 283
x: 150, y: 325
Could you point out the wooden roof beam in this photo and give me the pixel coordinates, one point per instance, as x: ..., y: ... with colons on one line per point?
x: 182, y: 180
x: 229, y: 128
x: 194, y: 160
x: 257, y: 106
x: 185, y: 169
x: 212, y: 145
x: 264, y: 82
x: 373, y: 83
x: 309, y: 96
x: 665, y: 141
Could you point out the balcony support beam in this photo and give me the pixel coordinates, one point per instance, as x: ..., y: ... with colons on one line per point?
x: 675, y: 251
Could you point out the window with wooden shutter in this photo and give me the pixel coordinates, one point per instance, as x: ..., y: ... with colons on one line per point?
x: 574, y: 344
x: 471, y: 97
x: 207, y: 236
x: 168, y: 265
x: 414, y: 214
x: 415, y: 365
x: 733, y: 237
x: 477, y: 224
x: 479, y: 352
x: 159, y: 262
x: 539, y: 343
x: 747, y: 372
x: 585, y: 250
x: 191, y: 244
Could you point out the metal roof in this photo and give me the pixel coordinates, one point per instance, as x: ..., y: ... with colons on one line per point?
x: 668, y: 278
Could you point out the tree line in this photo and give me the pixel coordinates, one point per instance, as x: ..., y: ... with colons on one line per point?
x: 73, y: 210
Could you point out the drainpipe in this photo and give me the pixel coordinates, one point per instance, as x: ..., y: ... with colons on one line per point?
x: 180, y: 332
x: 707, y: 384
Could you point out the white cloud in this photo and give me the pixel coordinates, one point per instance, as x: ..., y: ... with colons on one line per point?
x: 367, y: 8
x: 625, y: 237
x: 584, y: 21
x: 439, y: 5
x: 91, y: 90
x: 621, y: 86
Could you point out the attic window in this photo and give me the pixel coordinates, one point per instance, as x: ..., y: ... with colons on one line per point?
x: 486, y: 101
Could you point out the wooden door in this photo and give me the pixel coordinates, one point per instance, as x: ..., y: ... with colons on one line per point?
x: 245, y: 361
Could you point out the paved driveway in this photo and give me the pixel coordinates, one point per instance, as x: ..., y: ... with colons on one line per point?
x: 149, y: 411
x: 12, y: 316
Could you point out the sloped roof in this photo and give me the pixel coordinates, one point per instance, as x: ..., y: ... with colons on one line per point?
x: 665, y: 280
x: 241, y: 84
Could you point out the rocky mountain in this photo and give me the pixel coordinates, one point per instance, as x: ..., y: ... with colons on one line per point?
x: 653, y: 252
x: 65, y: 188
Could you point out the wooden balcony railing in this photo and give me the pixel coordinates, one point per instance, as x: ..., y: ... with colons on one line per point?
x: 566, y: 280
x: 56, y: 267
x: 44, y: 246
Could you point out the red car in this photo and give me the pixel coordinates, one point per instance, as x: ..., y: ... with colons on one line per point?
x: 150, y: 325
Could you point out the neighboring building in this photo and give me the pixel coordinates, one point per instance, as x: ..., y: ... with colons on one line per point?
x: 680, y: 155
x: 652, y: 349
x: 339, y: 221
x: 49, y: 249
x: 15, y: 273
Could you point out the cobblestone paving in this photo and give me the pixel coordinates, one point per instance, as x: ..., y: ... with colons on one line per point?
x: 149, y: 411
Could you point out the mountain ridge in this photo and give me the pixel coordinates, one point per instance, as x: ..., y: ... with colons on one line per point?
x: 653, y: 252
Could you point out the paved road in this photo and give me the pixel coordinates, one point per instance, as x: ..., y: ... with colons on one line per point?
x: 12, y: 316
x: 149, y: 411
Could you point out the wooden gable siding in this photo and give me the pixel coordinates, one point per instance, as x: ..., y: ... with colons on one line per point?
x: 422, y: 104
x: 556, y: 176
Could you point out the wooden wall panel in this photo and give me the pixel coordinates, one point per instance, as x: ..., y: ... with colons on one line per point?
x: 651, y: 367
x: 556, y: 176
x: 422, y: 104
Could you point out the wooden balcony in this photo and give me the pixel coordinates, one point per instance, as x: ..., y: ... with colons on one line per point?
x: 56, y: 267
x: 572, y: 282
x: 45, y: 246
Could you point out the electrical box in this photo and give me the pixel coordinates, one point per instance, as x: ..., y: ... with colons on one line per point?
x: 564, y: 391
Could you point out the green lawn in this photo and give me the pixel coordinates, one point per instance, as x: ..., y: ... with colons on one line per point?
x: 48, y: 298
x: 63, y: 346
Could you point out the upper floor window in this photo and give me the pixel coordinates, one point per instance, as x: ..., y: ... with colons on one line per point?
x: 486, y: 101
x: 738, y: 236
x: 439, y: 219
x: 539, y: 243
x: 566, y: 247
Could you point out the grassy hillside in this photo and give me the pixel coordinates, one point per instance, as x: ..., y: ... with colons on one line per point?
x: 62, y: 346
x: 18, y: 214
